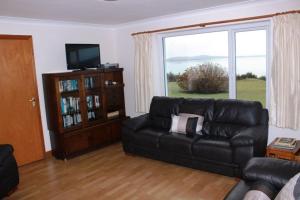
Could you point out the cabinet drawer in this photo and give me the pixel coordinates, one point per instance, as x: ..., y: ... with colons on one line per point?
x: 75, y: 143
x: 99, y: 136
x: 116, y: 131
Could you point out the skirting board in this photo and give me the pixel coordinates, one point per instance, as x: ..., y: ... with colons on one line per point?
x: 48, y: 154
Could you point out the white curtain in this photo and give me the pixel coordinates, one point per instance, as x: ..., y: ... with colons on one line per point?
x: 285, y: 77
x: 143, y: 71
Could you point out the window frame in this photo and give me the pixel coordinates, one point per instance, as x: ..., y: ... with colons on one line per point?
x: 232, y: 30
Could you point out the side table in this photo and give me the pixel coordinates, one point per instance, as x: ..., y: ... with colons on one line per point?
x: 287, y: 154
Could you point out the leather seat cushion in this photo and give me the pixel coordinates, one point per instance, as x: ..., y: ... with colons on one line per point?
x: 161, y: 109
x: 177, y: 143
x: 217, y: 149
x: 225, y: 130
x: 148, y: 137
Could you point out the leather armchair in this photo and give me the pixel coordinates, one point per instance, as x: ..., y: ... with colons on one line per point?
x: 9, y: 175
x: 276, y: 172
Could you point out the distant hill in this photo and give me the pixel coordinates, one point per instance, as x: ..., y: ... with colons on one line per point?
x: 202, y: 57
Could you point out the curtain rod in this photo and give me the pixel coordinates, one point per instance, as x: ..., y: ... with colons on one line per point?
x: 216, y: 22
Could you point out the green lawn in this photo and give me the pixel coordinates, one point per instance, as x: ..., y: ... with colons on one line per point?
x: 248, y: 89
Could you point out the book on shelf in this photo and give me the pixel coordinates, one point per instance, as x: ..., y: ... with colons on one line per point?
x: 114, y: 114
x: 70, y: 105
x: 285, y: 143
x: 89, y: 82
x: 91, y: 115
x: 93, y: 101
x: 97, y: 101
x: 68, y: 85
x: 71, y: 120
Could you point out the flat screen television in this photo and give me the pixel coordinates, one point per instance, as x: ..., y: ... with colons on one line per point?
x: 83, y: 56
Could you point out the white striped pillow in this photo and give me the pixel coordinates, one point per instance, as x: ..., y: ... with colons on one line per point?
x: 184, y: 125
x: 199, y: 123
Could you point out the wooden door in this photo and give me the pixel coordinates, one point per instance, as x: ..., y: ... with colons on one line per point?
x: 20, y: 122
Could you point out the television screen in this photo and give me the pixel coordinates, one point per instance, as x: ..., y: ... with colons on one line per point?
x: 81, y: 56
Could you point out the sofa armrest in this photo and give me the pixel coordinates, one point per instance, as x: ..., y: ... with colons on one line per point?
x: 242, y: 139
x: 256, y: 136
x: 249, y: 136
x: 137, y: 123
x: 5, y: 150
x: 275, y: 171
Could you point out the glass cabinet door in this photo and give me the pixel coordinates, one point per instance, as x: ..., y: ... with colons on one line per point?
x: 93, y: 98
x: 70, y: 103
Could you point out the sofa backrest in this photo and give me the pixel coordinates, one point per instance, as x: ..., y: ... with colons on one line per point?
x: 222, y: 118
x: 240, y: 112
x: 264, y: 120
x: 204, y: 107
x: 161, y: 109
x: 231, y: 116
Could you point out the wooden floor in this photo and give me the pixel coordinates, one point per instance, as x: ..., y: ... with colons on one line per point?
x: 109, y: 174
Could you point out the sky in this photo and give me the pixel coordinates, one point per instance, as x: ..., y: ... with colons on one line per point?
x: 248, y: 43
x: 216, y: 44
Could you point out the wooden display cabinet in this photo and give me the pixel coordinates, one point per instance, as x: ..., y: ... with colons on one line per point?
x: 85, y: 109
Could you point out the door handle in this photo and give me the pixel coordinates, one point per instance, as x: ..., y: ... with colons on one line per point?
x: 32, y: 100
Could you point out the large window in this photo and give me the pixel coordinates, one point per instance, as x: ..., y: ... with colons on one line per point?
x: 227, y: 62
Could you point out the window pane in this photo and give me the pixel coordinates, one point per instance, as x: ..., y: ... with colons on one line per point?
x: 251, y: 65
x: 196, y: 66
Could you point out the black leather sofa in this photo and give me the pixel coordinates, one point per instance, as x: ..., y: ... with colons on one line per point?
x: 9, y: 175
x: 275, y: 172
x: 233, y: 132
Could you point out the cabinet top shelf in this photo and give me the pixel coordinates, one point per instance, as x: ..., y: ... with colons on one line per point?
x: 115, y: 86
x: 70, y: 93
x: 85, y: 72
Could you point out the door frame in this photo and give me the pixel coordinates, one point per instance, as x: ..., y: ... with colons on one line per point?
x: 35, y: 89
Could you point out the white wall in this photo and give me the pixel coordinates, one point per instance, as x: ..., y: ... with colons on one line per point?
x: 49, y: 39
x: 125, y: 50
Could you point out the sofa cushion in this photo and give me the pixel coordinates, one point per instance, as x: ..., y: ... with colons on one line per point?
x: 261, y: 190
x: 217, y: 149
x: 199, y: 121
x: 225, y: 130
x: 203, y: 107
x: 184, y: 125
x: 161, y: 109
x: 177, y: 143
x: 291, y: 190
x: 148, y: 137
x: 238, y: 112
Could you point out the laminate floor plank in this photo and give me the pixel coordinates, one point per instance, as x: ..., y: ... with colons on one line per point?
x: 110, y: 174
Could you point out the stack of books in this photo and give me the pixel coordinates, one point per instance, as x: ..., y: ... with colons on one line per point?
x: 68, y: 85
x: 93, y: 102
x: 89, y: 82
x: 285, y: 143
x: 71, y: 120
x: 70, y: 105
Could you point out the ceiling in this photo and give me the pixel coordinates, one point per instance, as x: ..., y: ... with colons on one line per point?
x: 100, y: 11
